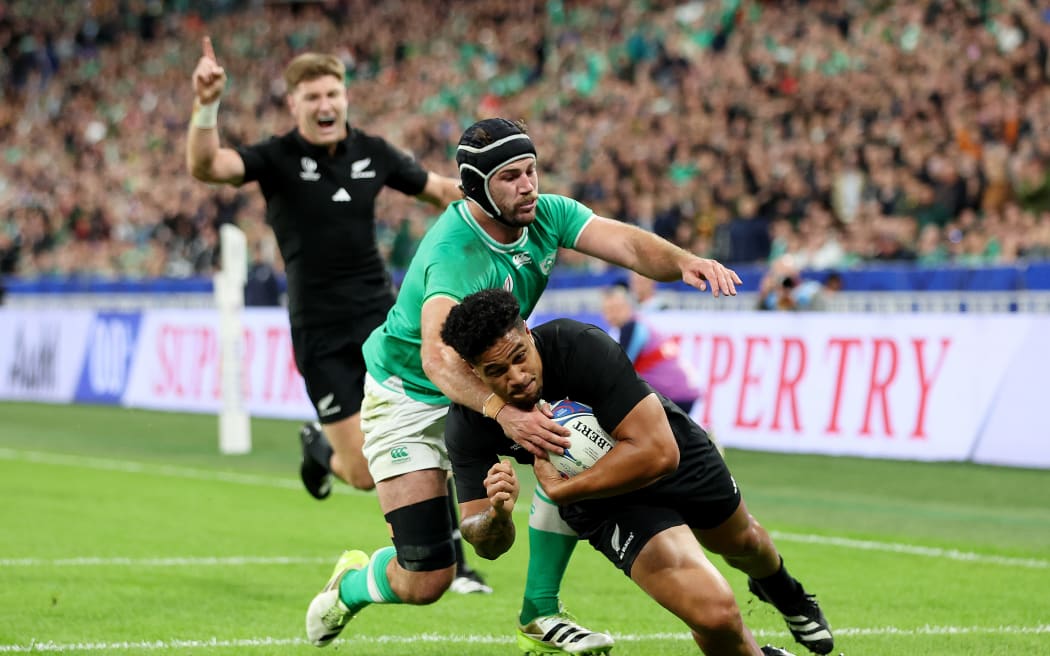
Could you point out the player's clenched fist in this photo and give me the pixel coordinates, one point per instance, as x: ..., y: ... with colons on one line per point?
x: 501, y: 486
x: 208, y: 78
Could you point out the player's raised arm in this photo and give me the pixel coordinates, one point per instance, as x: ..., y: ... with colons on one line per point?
x: 205, y: 159
x: 654, y: 257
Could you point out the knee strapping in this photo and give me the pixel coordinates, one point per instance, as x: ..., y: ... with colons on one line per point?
x: 423, y: 535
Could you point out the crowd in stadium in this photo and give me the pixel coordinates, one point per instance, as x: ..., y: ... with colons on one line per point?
x: 838, y: 131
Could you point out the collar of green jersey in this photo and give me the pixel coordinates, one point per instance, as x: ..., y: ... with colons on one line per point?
x: 464, y: 213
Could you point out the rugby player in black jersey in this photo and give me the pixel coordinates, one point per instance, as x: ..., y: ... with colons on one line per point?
x: 320, y: 181
x: 648, y: 505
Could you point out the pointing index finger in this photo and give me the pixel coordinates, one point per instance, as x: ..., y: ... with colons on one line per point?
x: 209, y: 52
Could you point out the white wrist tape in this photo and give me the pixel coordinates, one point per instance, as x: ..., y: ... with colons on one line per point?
x: 206, y: 116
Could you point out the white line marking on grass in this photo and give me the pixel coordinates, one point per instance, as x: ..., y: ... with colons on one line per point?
x: 944, y: 630
x: 161, y: 562
x: 131, y: 467
x: 926, y: 630
x: 233, y: 643
x: 128, y: 466
x: 911, y: 549
x: 48, y: 646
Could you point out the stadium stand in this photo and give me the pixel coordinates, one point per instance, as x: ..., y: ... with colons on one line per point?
x: 844, y: 134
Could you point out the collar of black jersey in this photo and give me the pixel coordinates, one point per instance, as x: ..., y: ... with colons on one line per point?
x: 318, y: 152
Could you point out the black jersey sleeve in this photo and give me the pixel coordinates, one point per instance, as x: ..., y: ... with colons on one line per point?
x: 256, y: 163
x: 405, y: 174
x: 583, y: 363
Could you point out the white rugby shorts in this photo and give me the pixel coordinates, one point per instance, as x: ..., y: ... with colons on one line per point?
x: 402, y: 435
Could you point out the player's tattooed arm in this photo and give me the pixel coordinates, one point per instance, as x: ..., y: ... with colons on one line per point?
x: 491, y: 533
x: 487, y: 522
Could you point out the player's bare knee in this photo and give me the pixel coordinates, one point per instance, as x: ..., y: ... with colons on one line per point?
x: 427, y: 587
x: 750, y: 541
x: 709, y: 609
x: 718, y: 615
x: 745, y: 543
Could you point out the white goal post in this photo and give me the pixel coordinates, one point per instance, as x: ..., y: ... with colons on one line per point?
x: 234, y: 428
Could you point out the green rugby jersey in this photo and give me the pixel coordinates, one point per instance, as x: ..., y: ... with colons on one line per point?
x: 456, y: 258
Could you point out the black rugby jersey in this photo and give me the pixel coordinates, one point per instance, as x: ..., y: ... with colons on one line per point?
x: 322, y: 210
x: 580, y: 362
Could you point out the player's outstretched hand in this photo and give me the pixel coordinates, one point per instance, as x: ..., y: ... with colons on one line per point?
x: 701, y: 272
x: 533, y: 429
x: 209, y: 78
x: 502, y: 488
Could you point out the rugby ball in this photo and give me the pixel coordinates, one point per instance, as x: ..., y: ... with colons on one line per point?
x: 589, y: 440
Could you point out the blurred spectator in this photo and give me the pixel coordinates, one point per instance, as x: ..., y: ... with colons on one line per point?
x: 1031, y: 182
x: 931, y: 248
x: 818, y: 129
x: 655, y: 356
x: 832, y: 284
x: 748, y: 233
x: 261, y: 288
x: 644, y: 293
x: 783, y: 288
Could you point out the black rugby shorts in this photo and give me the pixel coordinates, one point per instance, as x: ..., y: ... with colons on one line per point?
x: 701, y: 494
x: 333, y: 367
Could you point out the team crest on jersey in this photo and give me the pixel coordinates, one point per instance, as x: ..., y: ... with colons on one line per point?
x: 359, y: 169
x: 309, y: 171
x: 548, y: 264
x: 508, y: 284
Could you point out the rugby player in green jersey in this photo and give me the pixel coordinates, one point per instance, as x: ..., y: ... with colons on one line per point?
x: 504, y: 234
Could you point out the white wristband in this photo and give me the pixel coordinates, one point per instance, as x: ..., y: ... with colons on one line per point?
x: 205, y: 115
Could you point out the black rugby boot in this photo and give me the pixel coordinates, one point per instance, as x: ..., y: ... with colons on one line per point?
x: 804, y: 619
x: 314, y: 469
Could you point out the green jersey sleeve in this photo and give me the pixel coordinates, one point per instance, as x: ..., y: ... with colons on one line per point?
x: 567, y: 216
x: 457, y: 270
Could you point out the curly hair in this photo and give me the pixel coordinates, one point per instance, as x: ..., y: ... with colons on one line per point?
x: 473, y: 326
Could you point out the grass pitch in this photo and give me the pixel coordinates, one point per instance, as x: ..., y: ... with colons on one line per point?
x: 125, y: 532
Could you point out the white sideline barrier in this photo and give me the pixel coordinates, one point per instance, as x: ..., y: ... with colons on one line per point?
x: 41, y: 352
x: 916, y: 387
x: 176, y: 366
x: 161, y: 359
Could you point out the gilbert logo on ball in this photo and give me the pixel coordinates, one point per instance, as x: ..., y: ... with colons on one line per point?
x: 589, y: 440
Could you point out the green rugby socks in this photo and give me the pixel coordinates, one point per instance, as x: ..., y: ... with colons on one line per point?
x: 369, y: 585
x: 551, y: 543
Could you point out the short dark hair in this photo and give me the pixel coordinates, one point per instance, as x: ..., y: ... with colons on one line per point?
x: 473, y: 326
